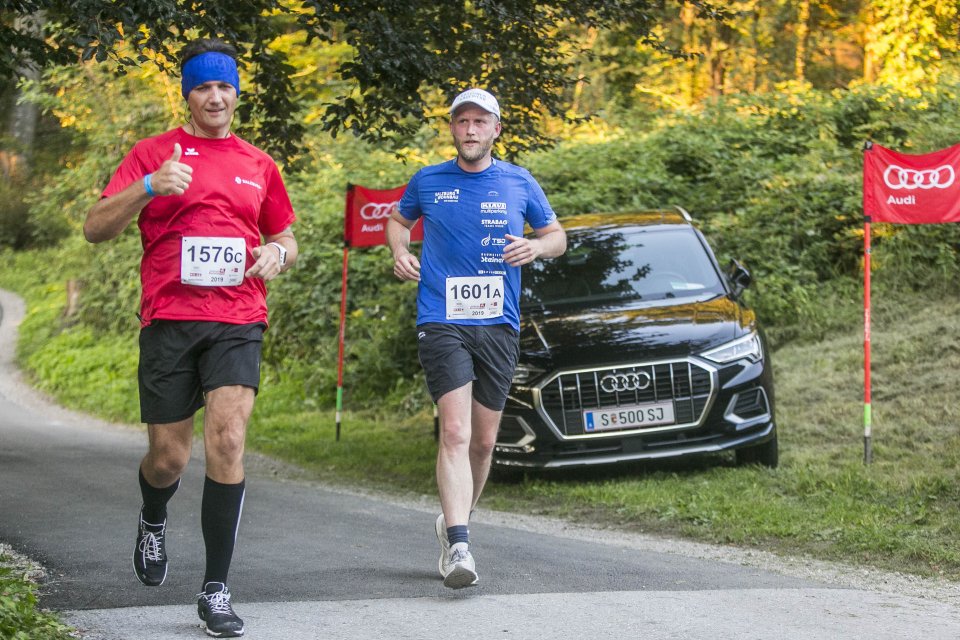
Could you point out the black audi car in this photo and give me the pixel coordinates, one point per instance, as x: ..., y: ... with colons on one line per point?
x: 636, y: 345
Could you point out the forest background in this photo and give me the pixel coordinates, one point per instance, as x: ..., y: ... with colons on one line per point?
x: 755, y: 123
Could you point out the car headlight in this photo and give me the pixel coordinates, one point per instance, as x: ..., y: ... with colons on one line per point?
x: 748, y: 347
x: 525, y: 373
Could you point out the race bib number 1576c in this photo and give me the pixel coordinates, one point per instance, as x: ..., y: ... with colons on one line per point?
x: 212, y: 262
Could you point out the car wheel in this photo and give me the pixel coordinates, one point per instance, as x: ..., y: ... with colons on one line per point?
x: 766, y: 454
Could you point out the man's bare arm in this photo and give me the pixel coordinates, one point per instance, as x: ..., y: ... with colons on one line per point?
x: 110, y: 216
x: 405, y: 264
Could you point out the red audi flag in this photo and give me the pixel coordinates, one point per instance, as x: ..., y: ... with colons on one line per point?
x: 365, y: 222
x: 911, y: 189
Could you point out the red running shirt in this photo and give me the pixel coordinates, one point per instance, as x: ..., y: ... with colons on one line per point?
x: 236, y: 192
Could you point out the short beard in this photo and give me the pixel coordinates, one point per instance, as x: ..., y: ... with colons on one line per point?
x: 482, y: 150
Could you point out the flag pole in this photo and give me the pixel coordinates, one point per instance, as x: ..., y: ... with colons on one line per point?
x: 343, y: 327
x: 867, y: 418
x: 867, y: 411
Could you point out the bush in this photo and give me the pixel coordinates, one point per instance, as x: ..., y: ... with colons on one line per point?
x: 20, y: 616
x: 775, y: 181
x: 15, y: 220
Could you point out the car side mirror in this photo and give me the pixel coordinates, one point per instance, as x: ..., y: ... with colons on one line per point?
x: 739, y: 276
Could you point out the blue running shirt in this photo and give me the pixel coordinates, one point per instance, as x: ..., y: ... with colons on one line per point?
x: 465, y: 216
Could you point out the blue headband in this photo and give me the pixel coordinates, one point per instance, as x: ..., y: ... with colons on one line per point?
x: 208, y: 66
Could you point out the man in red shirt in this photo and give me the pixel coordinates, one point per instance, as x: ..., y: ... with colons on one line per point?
x: 215, y: 223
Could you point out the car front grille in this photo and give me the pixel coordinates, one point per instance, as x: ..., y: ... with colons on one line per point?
x: 689, y: 385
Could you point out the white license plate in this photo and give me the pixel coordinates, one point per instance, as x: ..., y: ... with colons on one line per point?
x: 638, y: 415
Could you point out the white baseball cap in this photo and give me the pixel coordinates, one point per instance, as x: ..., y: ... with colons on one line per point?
x: 478, y: 97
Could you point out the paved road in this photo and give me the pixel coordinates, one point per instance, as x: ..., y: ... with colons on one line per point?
x: 314, y: 562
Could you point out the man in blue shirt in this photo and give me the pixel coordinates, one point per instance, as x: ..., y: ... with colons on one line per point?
x: 474, y: 209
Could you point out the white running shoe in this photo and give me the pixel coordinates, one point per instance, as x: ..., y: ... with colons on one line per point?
x: 444, y: 544
x: 460, y: 570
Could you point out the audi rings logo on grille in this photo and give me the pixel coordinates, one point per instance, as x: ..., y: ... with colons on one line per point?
x: 618, y: 382
x: 899, y: 178
x: 377, y: 210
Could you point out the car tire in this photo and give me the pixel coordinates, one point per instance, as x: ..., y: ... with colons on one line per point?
x: 766, y: 454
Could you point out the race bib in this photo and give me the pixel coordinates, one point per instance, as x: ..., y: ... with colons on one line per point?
x: 212, y: 262
x: 474, y: 297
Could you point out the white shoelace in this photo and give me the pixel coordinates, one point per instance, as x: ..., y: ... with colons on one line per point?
x: 150, y: 546
x: 219, y: 602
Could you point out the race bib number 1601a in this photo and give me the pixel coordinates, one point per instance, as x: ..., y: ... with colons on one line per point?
x: 212, y: 262
x: 474, y: 297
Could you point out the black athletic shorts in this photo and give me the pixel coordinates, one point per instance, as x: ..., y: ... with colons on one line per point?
x: 454, y: 354
x: 181, y: 361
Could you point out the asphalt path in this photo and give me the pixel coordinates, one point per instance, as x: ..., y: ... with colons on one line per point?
x: 319, y: 562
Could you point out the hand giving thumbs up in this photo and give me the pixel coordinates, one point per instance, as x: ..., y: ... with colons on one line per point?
x: 173, y: 177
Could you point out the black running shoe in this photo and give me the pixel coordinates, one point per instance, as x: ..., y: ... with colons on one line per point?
x: 150, y: 554
x: 213, y: 607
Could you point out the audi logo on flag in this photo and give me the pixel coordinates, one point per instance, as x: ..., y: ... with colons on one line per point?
x: 899, y: 178
x: 618, y: 382
x: 377, y: 210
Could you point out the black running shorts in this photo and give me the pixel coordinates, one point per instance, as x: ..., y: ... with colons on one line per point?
x: 453, y: 355
x: 181, y: 361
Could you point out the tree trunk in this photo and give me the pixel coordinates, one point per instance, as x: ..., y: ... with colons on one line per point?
x: 803, y: 33
x: 690, y: 47
x: 718, y: 67
x: 753, y: 77
x: 22, y: 123
x: 869, y: 40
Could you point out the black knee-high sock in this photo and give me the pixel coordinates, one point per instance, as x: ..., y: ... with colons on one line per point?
x: 219, y: 519
x: 155, y: 500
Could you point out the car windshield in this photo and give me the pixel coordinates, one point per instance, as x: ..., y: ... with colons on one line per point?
x: 607, y: 265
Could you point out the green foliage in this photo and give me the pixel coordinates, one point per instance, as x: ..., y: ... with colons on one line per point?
x: 407, y: 59
x: 101, y: 132
x: 911, y: 37
x: 775, y: 180
x: 109, y: 362
x: 16, y: 223
x: 20, y: 618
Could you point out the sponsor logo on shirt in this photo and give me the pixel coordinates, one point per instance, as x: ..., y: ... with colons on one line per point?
x: 493, y: 194
x: 447, y: 196
x: 491, y: 241
x: 487, y: 272
x: 249, y: 183
x: 493, y: 207
x: 491, y: 257
x: 494, y: 222
x: 191, y: 152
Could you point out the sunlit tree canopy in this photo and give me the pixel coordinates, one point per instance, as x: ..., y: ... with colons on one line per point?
x: 406, y: 57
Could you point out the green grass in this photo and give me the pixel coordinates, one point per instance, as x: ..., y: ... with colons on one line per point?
x: 900, y: 513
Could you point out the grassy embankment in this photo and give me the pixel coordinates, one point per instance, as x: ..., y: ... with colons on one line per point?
x: 900, y: 513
